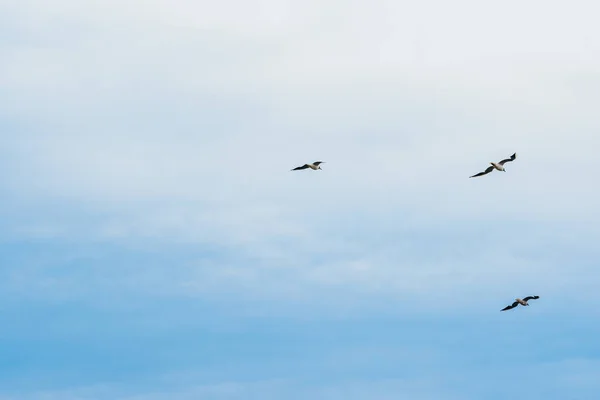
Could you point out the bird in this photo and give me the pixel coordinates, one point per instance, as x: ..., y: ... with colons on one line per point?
x: 521, y: 302
x: 314, y: 166
x: 499, y: 166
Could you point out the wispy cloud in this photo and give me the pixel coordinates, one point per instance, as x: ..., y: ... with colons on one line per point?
x: 578, y: 380
x: 145, y: 157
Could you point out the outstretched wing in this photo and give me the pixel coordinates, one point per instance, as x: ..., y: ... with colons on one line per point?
x: 512, y: 158
x: 302, y: 167
x: 513, y: 305
x: 531, y: 298
x: 487, y: 171
x: 316, y: 163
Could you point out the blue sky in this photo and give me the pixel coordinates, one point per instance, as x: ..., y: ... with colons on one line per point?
x: 154, y: 244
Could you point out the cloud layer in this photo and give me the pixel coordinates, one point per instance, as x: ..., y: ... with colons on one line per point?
x: 146, y: 153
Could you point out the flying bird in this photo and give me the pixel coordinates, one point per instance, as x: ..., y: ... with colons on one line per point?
x: 314, y: 166
x: 499, y: 166
x: 521, y: 302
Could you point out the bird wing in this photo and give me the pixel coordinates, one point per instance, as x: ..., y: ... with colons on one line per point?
x: 302, y: 167
x: 513, y: 305
x: 512, y: 158
x: 487, y: 171
x: 531, y: 297
x: 318, y: 162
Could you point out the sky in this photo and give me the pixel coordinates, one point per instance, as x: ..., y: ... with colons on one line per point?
x: 154, y: 244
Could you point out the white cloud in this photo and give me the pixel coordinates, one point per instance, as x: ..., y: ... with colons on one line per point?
x: 182, y: 120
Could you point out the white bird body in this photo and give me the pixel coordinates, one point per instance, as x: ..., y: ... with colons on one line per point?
x: 521, y: 302
x: 498, y: 166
